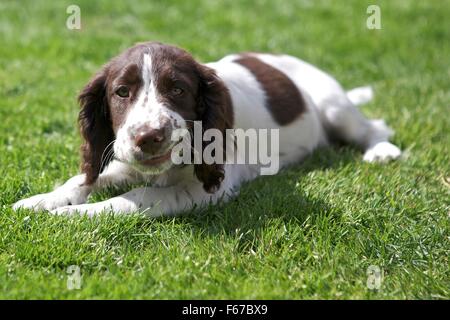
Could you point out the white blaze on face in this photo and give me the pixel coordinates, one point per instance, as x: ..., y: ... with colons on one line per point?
x: 147, y: 110
x: 147, y: 71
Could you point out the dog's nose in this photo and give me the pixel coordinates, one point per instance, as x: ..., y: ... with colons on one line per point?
x: 149, y: 140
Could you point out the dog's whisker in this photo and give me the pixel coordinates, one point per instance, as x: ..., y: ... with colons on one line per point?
x: 107, y: 158
x: 103, y: 153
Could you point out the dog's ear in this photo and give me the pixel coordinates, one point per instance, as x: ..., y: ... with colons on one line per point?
x: 215, y: 108
x: 95, y: 126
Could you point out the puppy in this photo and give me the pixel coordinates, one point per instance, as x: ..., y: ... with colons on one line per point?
x: 138, y: 107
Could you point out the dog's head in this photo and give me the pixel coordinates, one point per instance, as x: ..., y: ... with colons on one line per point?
x: 135, y: 102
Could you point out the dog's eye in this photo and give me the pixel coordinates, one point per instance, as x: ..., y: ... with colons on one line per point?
x: 177, y: 91
x: 123, y: 92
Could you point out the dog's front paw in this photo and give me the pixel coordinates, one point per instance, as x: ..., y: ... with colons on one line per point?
x: 51, y: 200
x: 89, y: 209
x: 36, y: 202
x: 382, y: 152
x: 69, y: 210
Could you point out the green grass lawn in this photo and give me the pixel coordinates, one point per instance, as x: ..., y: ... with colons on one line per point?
x: 310, y: 232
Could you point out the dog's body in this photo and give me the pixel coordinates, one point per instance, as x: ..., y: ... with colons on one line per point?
x: 139, y: 98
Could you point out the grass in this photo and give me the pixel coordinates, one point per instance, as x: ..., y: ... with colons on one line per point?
x: 310, y: 232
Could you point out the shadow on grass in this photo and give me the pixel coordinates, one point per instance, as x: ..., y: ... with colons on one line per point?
x: 268, y: 200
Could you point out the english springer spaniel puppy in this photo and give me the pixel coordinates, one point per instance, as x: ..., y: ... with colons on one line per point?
x: 133, y: 105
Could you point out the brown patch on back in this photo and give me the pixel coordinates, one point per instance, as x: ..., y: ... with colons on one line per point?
x: 284, y: 100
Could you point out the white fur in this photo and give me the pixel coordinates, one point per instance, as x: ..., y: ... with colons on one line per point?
x: 329, y: 108
x: 360, y: 95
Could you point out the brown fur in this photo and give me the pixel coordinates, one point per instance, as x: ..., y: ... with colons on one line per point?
x: 95, y: 126
x: 215, y: 101
x: 284, y: 100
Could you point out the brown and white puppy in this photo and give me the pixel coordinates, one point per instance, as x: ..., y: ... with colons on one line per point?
x: 133, y: 110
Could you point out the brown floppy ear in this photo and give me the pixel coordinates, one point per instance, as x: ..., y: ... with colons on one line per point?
x: 214, y: 105
x: 95, y: 126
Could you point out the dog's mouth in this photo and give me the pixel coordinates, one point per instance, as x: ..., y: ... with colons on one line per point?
x: 156, y: 160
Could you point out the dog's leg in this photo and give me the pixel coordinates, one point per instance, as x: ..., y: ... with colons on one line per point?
x: 345, y: 122
x: 150, y: 201
x: 75, y: 192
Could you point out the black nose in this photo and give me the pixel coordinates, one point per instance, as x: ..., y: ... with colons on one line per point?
x: 150, y: 140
